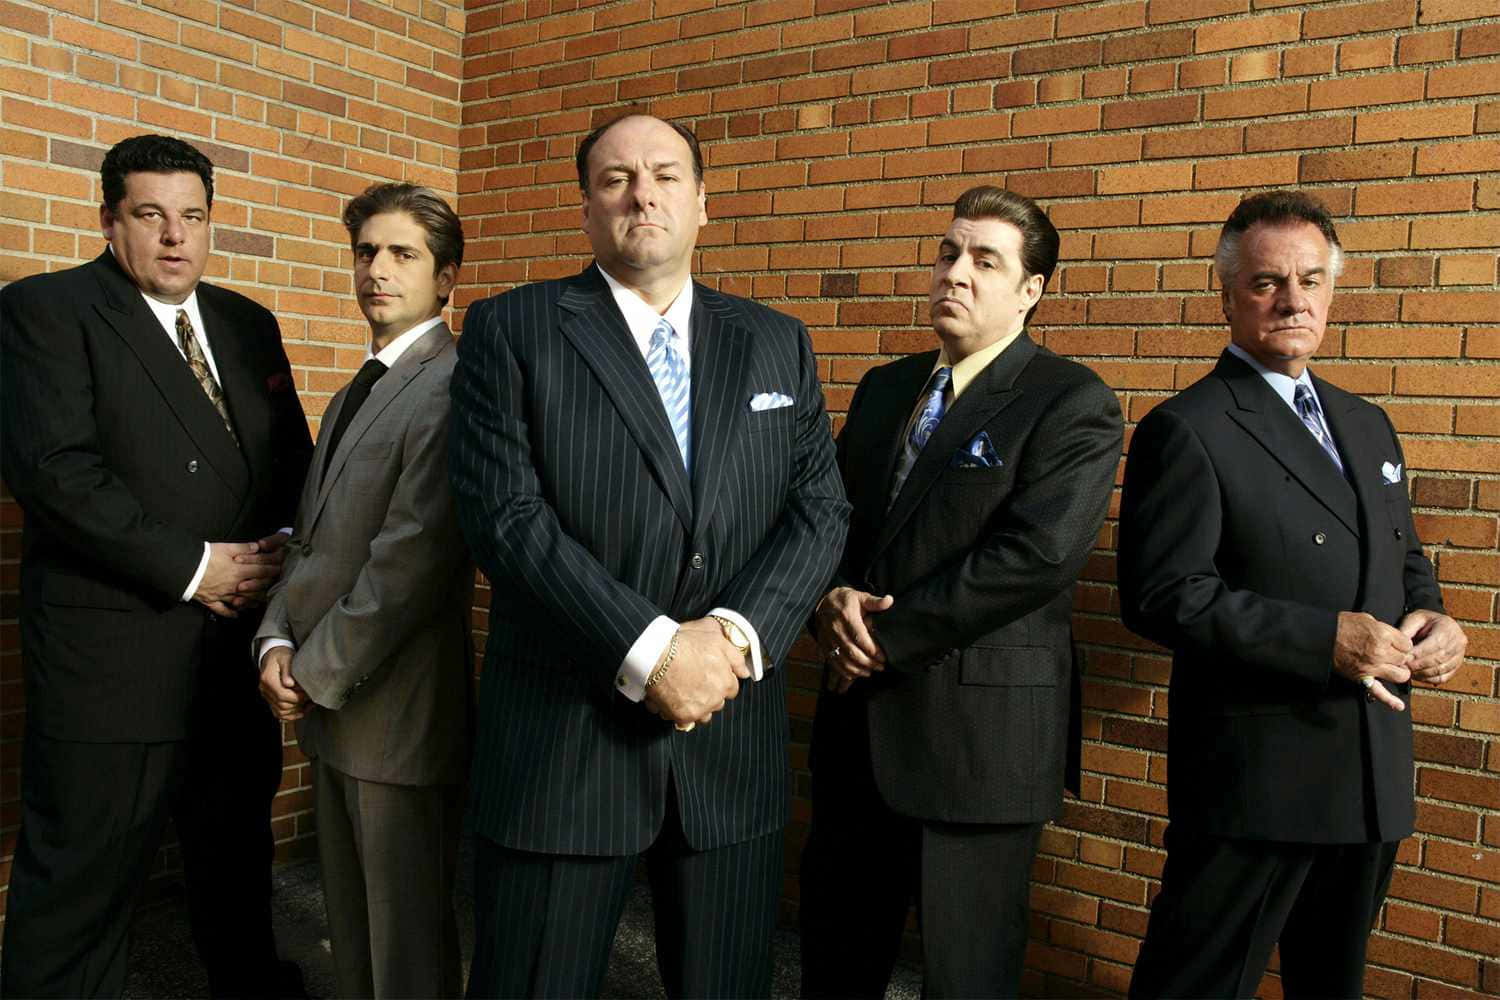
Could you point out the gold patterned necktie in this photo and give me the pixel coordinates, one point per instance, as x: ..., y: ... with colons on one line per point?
x: 199, y: 365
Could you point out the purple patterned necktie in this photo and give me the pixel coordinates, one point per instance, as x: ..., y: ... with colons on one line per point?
x: 1307, y: 408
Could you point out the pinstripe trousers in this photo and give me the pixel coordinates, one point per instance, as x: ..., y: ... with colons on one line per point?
x: 545, y: 923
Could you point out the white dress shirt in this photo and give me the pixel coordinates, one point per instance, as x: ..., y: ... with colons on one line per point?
x: 647, y: 650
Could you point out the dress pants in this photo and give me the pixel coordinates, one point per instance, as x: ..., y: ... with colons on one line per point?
x: 545, y: 924
x: 1225, y: 903
x: 864, y: 863
x: 388, y: 854
x: 92, y: 816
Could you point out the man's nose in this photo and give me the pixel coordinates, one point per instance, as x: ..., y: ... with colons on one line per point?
x: 172, y: 230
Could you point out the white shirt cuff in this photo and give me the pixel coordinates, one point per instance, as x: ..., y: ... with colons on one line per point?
x: 757, y: 662
x: 269, y: 643
x: 642, y: 657
x: 192, y: 587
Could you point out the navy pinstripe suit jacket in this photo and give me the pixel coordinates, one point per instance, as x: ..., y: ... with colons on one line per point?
x: 573, y: 498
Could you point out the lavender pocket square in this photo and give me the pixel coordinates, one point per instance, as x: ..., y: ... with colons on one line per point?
x: 977, y: 454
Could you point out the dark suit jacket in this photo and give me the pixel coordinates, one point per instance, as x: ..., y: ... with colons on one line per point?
x: 1239, y: 545
x: 124, y: 469
x: 970, y: 722
x: 572, y: 494
x: 377, y: 588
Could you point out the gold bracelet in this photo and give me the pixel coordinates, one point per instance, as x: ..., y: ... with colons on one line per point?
x: 661, y: 671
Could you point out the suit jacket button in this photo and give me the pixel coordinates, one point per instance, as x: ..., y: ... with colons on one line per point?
x: 307, y: 550
x: 192, y: 465
x: 1398, y: 532
x: 697, y: 561
x: 1319, y: 538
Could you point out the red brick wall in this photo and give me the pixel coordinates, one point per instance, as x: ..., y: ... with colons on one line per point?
x: 838, y: 133
x: 299, y: 105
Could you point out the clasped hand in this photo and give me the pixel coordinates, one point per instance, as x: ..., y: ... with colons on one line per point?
x: 1427, y: 646
x: 704, y: 675
x: 240, y: 573
x: 846, y: 634
x: 280, y: 689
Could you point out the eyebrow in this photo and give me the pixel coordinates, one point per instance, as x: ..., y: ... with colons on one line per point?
x: 1279, y: 274
x: 658, y: 165
x: 365, y: 245
x: 975, y: 250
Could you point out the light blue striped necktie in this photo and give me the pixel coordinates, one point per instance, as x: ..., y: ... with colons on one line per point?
x: 672, y: 381
x: 1307, y: 408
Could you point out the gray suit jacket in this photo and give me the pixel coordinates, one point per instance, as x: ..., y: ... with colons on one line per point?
x: 377, y: 585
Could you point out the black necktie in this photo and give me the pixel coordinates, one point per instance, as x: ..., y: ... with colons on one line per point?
x: 359, y: 391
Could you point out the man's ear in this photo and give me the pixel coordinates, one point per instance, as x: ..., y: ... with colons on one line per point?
x: 106, y: 220
x: 446, y: 279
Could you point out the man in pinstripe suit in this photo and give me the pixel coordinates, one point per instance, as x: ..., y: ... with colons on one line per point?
x: 643, y: 469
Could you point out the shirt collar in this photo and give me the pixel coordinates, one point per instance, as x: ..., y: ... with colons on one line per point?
x: 641, y: 319
x: 965, y: 371
x: 1284, y: 385
x: 391, y: 353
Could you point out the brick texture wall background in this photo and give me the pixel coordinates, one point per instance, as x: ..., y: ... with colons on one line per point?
x: 838, y: 132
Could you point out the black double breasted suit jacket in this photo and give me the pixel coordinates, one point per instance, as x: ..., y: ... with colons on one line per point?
x: 1240, y: 543
x: 124, y: 468
x: 974, y: 719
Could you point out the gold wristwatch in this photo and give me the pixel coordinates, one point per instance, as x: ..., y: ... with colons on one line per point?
x: 736, y: 635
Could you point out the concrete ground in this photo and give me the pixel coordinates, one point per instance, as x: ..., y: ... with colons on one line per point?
x: 163, y: 964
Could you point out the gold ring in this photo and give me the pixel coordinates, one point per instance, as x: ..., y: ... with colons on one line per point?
x: 687, y: 728
x: 1368, y: 682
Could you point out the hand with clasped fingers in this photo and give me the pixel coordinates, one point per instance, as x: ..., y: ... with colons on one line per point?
x: 1427, y: 646
x: 704, y: 674
x: 239, y: 574
x: 846, y: 634
x: 280, y: 689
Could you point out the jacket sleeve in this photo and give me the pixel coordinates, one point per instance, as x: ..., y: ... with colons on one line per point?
x: 512, y: 530
x: 1422, y: 590
x: 405, y: 579
x: 779, y: 585
x: 1170, y: 588
x: 1049, y: 526
x: 50, y: 454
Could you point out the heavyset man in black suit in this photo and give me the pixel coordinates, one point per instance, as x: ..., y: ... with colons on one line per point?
x: 1266, y: 538
x: 980, y: 475
x: 154, y: 440
x: 644, y: 471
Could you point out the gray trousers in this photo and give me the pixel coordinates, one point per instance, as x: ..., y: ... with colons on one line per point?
x: 389, y: 853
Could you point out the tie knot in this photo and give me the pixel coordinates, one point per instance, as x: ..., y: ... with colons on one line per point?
x: 1303, y: 397
x: 941, y: 378
x: 662, y: 334
x: 370, y: 371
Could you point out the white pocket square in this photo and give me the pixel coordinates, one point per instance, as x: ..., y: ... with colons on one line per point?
x: 769, y: 401
x: 1391, y: 473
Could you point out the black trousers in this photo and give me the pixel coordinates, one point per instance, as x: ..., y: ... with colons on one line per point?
x: 862, y: 866
x: 1225, y: 903
x: 545, y: 923
x: 92, y: 816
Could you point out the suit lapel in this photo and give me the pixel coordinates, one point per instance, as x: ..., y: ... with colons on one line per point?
x: 1267, y: 418
x: 127, y: 314
x: 593, y: 324
x: 720, y: 351
x: 384, y: 392
x: 245, y: 399
x: 991, y: 391
x: 1359, y: 441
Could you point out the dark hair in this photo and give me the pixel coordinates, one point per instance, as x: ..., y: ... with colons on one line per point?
x: 445, y: 233
x: 151, y: 154
x: 587, y: 146
x: 1273, y: 208
x: 1039, y: 239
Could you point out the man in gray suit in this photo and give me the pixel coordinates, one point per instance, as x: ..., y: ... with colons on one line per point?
x: 366, y: 638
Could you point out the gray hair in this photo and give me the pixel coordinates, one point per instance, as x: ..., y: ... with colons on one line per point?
x: 1273, y: 208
